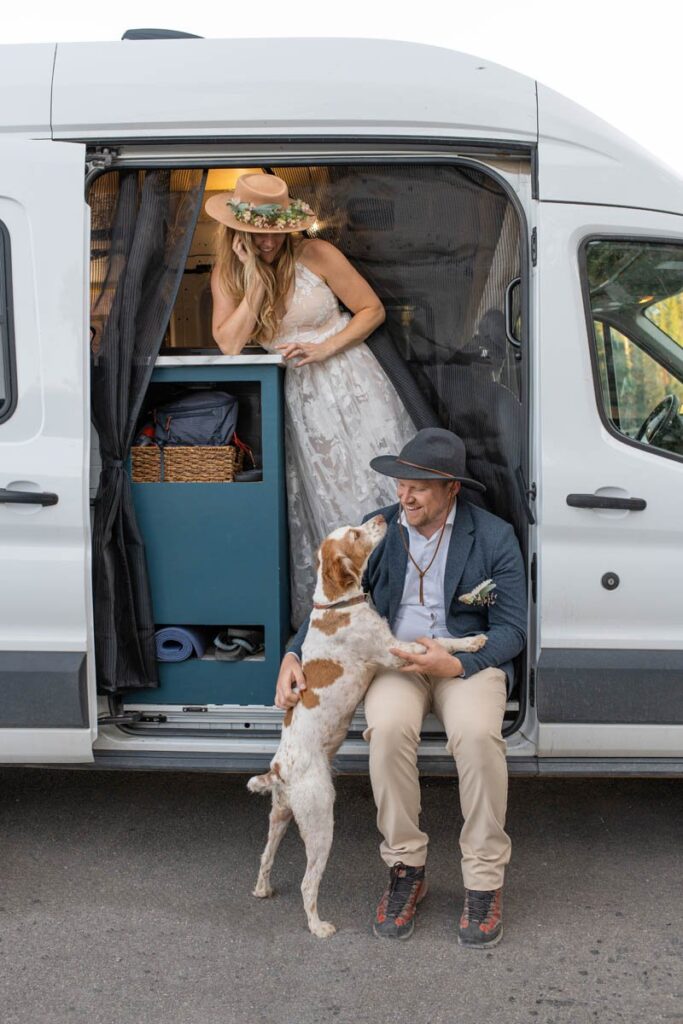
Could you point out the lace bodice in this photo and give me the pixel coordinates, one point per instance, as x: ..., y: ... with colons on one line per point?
x: 313, y: 313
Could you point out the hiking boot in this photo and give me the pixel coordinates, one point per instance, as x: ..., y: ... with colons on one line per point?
x: 481, y: 924
x: 395, y: 917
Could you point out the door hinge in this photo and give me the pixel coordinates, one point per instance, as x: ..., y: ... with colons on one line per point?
x: 534, y: 247
x: 532, y: 687
x: 98, y: 160
x: 526, y: 494
x: 533, y: 575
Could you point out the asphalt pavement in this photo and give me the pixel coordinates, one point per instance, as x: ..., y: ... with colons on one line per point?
x: 125, y: 898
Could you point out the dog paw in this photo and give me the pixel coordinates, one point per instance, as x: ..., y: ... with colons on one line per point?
x: 410, y: 648
x: 323, y: 929
x: 262, y: 891
x: 475, y: 643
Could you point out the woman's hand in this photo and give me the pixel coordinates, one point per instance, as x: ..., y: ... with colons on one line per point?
x: 291, y: 675
x: 305, y: 351
x: 240, y: 250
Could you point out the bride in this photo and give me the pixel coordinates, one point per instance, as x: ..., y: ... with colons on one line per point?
x: 340, y: 408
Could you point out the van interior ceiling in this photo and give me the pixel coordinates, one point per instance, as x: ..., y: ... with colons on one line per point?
x: 440, y: 243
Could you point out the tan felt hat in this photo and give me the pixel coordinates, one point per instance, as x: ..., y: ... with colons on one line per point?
x: 260, y: 203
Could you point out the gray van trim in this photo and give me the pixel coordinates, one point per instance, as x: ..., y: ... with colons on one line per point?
x: 610, y: 686
x: 435, y: 765
x: 325, y: 147
x: 43, y: 690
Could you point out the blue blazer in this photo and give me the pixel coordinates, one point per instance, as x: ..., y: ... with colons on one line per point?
x: 482, y: 546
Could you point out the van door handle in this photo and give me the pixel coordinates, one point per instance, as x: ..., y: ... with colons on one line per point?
x: 27, y: 497
x: 509, y: 332
x: 603, y: 501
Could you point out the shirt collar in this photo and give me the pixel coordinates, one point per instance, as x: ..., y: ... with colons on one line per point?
x: 450, y: 519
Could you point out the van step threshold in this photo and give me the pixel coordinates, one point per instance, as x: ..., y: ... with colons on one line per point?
x: 240, y: 717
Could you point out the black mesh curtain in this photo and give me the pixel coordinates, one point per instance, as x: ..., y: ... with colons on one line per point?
x: 142, y: 226
x: 439, y: 244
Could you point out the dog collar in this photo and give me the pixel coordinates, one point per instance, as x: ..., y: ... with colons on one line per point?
x: 342, y: 604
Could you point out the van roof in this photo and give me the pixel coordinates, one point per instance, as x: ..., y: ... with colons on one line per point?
x: 195, y: 89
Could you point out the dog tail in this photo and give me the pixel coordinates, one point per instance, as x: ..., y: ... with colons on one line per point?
x: 264, y: 783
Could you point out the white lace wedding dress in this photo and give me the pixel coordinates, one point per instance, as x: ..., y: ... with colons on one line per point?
x: 339, y: 414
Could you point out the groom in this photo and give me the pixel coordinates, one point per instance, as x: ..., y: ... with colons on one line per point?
x: 425, y: 579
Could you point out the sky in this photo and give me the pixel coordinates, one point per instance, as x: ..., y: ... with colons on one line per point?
x: 619, y: 58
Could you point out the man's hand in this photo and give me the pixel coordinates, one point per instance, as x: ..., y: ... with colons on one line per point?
x: 291, y: 675
x: 435, y: 662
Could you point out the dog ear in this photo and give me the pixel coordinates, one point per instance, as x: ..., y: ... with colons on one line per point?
x: 338, y: 571
x: 348, y: 571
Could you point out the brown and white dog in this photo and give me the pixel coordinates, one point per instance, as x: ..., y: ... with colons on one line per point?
x: 346, y: 642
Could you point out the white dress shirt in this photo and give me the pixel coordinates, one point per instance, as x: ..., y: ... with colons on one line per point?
x: 429, y: 619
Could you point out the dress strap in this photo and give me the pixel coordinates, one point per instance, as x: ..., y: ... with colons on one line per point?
x: 312, y: 273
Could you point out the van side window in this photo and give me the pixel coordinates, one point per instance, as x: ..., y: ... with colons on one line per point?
x: 7, y: 389
x: 635, y: 294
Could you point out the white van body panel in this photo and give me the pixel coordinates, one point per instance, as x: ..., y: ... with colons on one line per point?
x: 583, y: 159
x: 45, y: 603
x: 577, y: 454
x: 361, y: 88
x: 25, y: 85
x: 46, y: 746
x: 610, y: 741
x: 188, y: 88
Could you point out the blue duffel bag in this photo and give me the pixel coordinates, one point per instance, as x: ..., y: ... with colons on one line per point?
x: 198, y: 418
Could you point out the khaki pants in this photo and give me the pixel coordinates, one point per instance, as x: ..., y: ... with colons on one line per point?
x: 471, y: 711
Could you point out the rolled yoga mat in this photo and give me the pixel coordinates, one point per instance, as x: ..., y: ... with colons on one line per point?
x: 178, y: 643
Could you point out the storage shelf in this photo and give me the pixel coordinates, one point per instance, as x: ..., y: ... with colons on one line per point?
x: 217, y: 553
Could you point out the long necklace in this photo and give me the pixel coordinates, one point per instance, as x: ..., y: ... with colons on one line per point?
x: 423, y: 572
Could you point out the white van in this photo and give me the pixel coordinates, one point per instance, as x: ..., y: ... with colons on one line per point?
x: 531, y: 262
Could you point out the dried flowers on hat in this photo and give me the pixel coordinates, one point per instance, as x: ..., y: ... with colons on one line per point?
x: 271, y: 215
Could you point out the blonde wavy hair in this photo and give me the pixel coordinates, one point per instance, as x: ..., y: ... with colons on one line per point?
x: 235, y: 277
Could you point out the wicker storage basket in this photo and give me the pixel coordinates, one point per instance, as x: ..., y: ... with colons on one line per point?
x: 191, y: 464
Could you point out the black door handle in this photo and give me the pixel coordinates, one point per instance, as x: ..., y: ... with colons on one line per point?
x: 27, y: 497
x: 509, y: 333
x: 603, y: 501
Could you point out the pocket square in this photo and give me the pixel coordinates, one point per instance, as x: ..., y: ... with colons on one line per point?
x: 481, y: 595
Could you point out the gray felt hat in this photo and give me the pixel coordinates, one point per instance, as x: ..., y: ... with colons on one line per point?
x: 433, y: 454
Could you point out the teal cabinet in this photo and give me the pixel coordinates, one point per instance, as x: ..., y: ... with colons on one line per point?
x: 217, y: 553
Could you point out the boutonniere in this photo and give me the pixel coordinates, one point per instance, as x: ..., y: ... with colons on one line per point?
x: 482, y: 595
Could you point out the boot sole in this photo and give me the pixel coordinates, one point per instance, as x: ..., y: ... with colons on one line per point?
x: 407, y: 934
x: 481, y: 945
x: 395, y: 938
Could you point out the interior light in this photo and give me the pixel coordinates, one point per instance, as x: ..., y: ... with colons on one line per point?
x: 224, y: 179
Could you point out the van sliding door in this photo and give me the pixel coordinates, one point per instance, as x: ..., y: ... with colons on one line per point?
x: 610, y: 435
x: 46, y: 685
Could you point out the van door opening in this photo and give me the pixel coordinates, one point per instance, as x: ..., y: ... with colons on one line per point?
x: 443, y: 245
